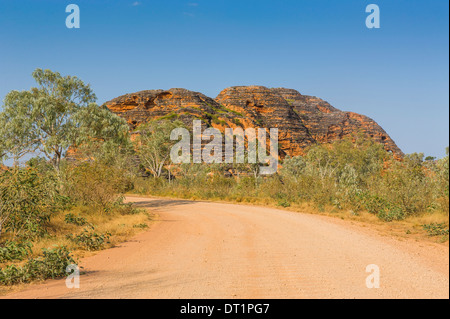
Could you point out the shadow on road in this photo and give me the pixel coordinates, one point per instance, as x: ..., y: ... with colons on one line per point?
x: 160, y: 203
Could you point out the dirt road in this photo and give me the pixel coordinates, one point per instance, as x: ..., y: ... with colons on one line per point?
x: 212, y: 250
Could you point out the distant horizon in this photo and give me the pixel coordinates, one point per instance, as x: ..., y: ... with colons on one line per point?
x: 396, y: 75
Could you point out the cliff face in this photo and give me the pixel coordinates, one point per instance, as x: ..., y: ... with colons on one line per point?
x: 301, y: 120
x: 141, y: 107
x: 266, y: 108
x: 327, y: 124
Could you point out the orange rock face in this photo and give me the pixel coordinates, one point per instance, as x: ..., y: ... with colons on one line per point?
x: 180, y: 104
x: 266, y: 108
x: 327, y: 124
x: 301, y: 120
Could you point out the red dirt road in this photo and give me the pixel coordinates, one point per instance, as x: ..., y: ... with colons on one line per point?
x: 215, y: 250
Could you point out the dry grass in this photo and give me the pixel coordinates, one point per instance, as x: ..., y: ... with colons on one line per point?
x: 121, y: 228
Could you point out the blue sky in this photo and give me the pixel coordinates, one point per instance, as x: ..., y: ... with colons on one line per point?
x: 397, y: 75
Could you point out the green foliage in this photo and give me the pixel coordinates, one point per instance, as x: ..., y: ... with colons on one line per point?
x: 13, y: 274
x: 282, y: 199
x: 60, y: 113
x: 96, y: 184
x: 141, y: 226
x: 354, y: 174
x: 90, y: 240
x: 52, y: 264
x: 42, y: 119
x: 71, y: 218
x: 235, y: 112
x: 169, y: 116
x: 391, y: 213
x: 14, y: 251
x: 125, y: 208
x: 407, y: 181
x: 359, y: 175
x: 101, y: 134
x: 27, y: 199
x: 375, y: 204
x: 364, y: 156
x: 290, y: 101
x: 440, y: 176
x: 58, y: 116
x: 334, y: 174
x: 436, y: 229
x: 284, y: 203
x: 293, y: 167
x: 153, y: 145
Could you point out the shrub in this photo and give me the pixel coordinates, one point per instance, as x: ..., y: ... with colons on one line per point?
x: 96, y: 184
x: 391, y: 213
x: 52, y: 264
x: 374, y: 204
x: 406, y: 185
x: 12, y: 251
x: 27, y: 199
x: 124, y: 208
x: 384, y: 209
x: 284, y: 203
x: 71, y: 218
x: 436, y: 229
x: 90, y: 240
x: 352, y: 174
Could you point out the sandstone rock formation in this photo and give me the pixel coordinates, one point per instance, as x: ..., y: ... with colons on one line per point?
x: 327, y: 124
x: 267, y: 108
x: 181, y: 104
x: 301, y: 120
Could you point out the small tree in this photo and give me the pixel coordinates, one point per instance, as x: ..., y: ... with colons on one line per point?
x: 153, y: 144
x: 27, y: 198
x: 96, y: 184
x: 293, y: 167
x: 102, y: 134
x: 442, y: 185
x: 42, y: 119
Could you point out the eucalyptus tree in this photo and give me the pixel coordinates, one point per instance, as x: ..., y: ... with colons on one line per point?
x: 42, y: 119
x: 57, y: 114
x: 17, y: 137
x: 153, y: 144
x: 103, y: 135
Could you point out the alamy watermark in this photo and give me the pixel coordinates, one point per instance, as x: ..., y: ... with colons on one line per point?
x: 373, y: 19
x: 73, y: 19
x: 373, y: 280
x: 212, y: 152
x: 73, y: 279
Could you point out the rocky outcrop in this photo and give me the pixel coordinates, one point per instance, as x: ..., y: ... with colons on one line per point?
x: 181, y: 104
x: 327, y: 124
x: 301, y: 120
x: 266, y: 108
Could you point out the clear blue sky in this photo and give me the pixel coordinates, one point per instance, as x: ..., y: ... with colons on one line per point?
x: 397, y: 75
